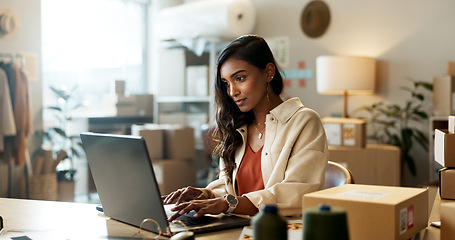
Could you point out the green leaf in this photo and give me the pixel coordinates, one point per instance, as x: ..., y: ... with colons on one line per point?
x: 55, y: 108
x: 60, y: 93
x: 406, y: 135
x: 421, y: 139
x: 419, y: 96
x: 75, y: 152
x: 77, y: 106
x: 60, y: 131
x: 421, y: 114
x: 407, y: 89
x: 410, y: 163
x: 427, y: 86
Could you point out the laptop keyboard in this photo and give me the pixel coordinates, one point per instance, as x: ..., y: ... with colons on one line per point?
x: 189, y: 220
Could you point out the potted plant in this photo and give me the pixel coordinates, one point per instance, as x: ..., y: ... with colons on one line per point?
x: 398, y: 125
x: 58, y: 138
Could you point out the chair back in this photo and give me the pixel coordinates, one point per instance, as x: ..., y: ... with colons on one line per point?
x: 337, y: 175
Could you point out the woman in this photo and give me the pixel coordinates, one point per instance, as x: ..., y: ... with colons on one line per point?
x: 272, y: 151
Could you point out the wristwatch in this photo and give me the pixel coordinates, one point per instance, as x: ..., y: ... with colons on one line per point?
x: 232, y: 201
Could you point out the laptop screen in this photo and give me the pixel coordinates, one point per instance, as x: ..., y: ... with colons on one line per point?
x: 125, y: 180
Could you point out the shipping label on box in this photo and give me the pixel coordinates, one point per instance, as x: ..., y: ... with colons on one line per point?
x: 376, y: 212
x: 444, y: 150
x: 345, y: 131
x: 447, y: 183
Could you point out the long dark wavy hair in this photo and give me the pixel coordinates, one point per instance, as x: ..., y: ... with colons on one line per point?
x: 254, y: 50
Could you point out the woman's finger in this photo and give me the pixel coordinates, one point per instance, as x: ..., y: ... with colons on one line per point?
x: 172, y: 196
x: 188, y: 194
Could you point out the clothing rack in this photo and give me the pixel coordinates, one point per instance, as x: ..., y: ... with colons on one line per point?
x: 13, y: 57
x: 8, y: 141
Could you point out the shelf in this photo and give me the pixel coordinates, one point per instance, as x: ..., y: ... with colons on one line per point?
x: 178, y: 99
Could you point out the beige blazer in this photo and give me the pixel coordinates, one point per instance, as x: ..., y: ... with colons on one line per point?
x: 293, y: 159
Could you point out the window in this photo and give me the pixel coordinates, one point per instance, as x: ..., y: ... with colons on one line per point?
x: 87, y: 45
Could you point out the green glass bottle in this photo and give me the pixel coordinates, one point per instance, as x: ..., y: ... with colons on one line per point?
x: 268, y: 224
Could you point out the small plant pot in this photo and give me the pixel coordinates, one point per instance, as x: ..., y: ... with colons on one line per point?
x: 66, y: 175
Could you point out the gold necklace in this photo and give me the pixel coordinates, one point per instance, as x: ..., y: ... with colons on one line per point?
x: 260, y: 132
x: 259, y: 124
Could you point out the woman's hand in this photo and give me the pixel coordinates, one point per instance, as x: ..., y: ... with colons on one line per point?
x: 207, y: 206
x: 187, y: 194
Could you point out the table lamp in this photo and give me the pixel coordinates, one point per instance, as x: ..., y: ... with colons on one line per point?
x: 345, y: 75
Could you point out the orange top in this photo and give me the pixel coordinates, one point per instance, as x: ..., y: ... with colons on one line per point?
x: 249, y: 176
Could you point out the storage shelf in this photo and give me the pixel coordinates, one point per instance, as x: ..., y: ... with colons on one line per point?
x: 177, y: 99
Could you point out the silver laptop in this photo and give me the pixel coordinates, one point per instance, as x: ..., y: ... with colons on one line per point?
x: 128, y: 190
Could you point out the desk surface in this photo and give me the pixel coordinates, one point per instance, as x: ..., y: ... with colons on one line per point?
x: 62, y: 220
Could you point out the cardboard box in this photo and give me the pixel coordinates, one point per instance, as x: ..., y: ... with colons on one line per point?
x: 447, y: 183
x: 447, y: 212
x: 174, y: 118
x: 443, y: 91
x: 172, y: 174
x: 349, y: 132
x: 444, y: 150
x: 451, y: 68
x: 376, y: 164
x: 178, y: 141
x: 376, y: 212
x: 154, y: 139
x: 126, y: 105
x: 144, y: 104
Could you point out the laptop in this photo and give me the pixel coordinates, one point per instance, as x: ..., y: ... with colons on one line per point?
x: 126, y: 184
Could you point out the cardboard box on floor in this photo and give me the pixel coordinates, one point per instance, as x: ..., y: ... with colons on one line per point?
x: 447, y: 212
x: 172, y: 174
x: 447, y: 183
x: 154, y: 139
x: 444, y: 152
x: 177, y: 141
x: 376, y: 212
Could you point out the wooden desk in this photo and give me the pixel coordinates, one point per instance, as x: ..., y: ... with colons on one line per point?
x: 62, y: 220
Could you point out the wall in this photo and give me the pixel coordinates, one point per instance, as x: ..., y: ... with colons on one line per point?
x: 408, y: 38
x: 28, y: 40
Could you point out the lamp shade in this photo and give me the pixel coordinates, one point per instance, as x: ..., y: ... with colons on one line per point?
x: 341, y: 74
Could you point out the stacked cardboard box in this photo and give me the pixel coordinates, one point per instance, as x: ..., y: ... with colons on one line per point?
x: 376, y: 212
x: 172, y: 152
x: 134, y: 105
x: 444, y: 153
x: 350, y: 132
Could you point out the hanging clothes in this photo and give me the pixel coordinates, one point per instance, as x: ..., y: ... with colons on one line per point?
x: 11, y: 76
x: 7, y: 122
x: 19, y: 92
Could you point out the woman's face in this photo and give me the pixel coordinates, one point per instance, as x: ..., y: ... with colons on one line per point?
x: 245, y: 83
